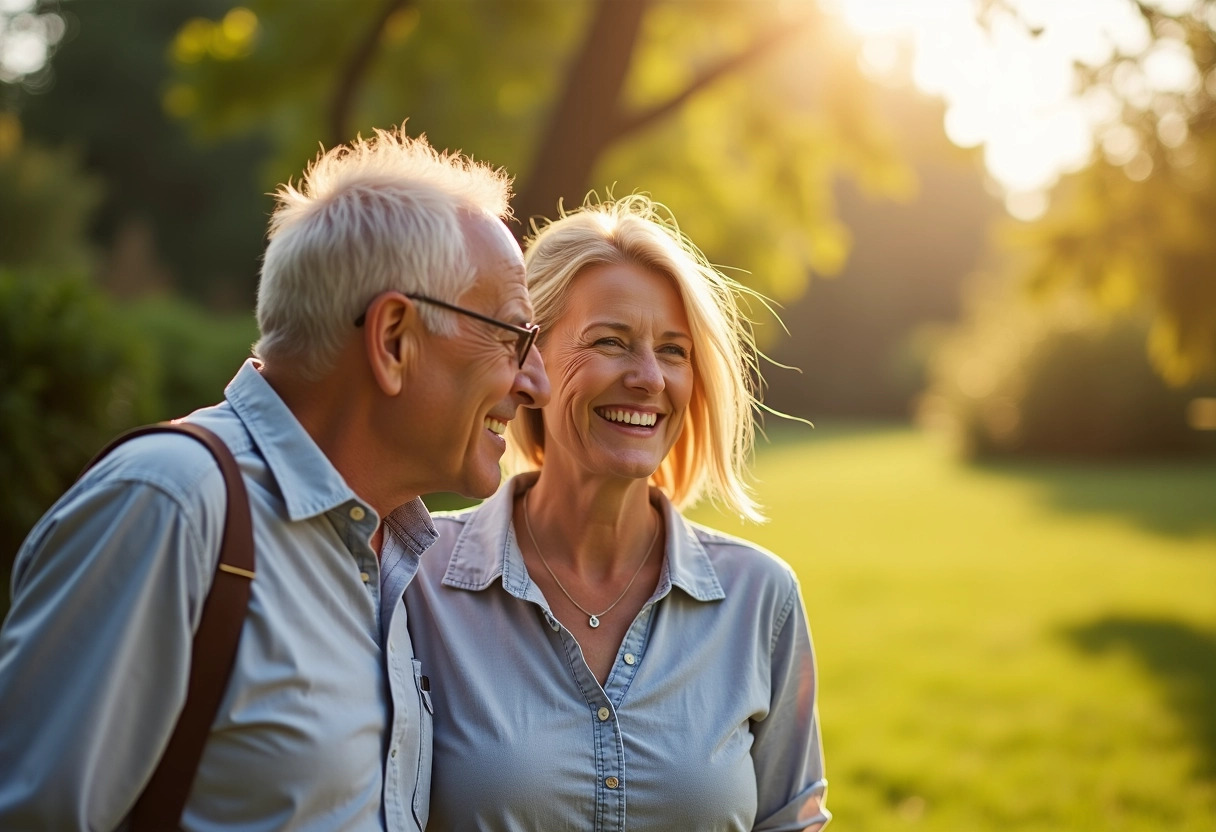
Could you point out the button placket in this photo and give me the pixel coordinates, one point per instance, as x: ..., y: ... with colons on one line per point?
x: 629, y: 657
x: 611, y: 790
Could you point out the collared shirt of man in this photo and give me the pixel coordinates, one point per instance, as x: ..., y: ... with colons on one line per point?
x: 326, y: 721
x: 706, y: 721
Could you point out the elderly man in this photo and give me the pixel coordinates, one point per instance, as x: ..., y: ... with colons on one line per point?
x: 395, y: 347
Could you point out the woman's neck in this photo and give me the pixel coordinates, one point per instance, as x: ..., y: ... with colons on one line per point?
x: 596, y: 528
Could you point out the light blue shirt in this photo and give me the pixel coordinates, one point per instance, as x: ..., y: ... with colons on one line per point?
x: 707, y: 720
x: 326, y: 721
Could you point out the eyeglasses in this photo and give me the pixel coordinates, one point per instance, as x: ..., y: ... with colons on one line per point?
x: 525, y: 335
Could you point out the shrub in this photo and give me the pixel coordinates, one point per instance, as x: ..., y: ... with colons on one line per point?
x: 46, y: 203
x: 73, y: 375
x: 1056, y: 381
x: 197, y: 352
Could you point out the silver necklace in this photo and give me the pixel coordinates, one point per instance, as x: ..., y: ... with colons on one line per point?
x: 594, y: 618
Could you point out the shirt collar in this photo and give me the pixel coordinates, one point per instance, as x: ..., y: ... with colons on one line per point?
x: 487, y: 550
x: 412, y: 523
x: 307, y: 479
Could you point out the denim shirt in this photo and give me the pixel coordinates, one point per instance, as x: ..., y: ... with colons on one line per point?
x: 325, y: 723
x: 707, y: 720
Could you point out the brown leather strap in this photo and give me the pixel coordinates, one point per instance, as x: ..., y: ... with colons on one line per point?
x: 213, y: 652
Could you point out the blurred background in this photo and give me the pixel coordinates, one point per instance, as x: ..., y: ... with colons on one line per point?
x: 988, y: 229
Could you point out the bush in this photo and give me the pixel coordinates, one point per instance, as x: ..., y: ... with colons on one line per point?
x: 46, y: 203
x: 77, y: 371
x: 197, y: 352
x: 1057, y: 381
x: 73, y: 375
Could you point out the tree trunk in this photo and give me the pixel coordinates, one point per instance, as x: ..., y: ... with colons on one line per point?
x: 342, y: 100
x: 585, y: 119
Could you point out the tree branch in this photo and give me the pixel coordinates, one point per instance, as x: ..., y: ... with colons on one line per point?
x: 356, y: 67
x: 764, y: 44
x: 580, y: 124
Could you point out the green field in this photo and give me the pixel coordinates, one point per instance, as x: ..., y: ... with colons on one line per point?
x: 1024, y: 647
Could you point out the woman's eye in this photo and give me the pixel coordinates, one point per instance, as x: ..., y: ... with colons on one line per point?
x: 675, y: 350
x: 609, y: 342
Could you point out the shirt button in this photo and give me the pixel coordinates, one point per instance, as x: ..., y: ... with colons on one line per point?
x: 391, y: 646
x: 611, y: 782
x: 630, y: 658
x: 357, y: 513
x: 393, y: 753
x: 603, y: 714
x: 363, y: 576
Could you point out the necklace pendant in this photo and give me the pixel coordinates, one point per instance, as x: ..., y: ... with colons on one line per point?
x: 594, y: 621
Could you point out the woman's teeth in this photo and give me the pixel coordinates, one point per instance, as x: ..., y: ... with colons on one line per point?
x: 495, y: 426
x: 630, y: 417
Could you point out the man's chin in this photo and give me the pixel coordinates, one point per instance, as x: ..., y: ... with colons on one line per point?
x: 478, y: 486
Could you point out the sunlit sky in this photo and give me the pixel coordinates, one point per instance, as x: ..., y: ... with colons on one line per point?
x: 1015, y: 93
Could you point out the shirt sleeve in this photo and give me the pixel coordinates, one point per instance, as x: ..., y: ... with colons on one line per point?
x: 95, y: 652
x: 787, y: 752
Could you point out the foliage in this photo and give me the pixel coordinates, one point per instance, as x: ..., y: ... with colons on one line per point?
x: 45, y: 203
x: 78, y: 370
x: 471, y: 74
x: 201, y: 201
x: 73, y: 375
x: 1134, y: 228
x: 750, y: 165
x: 1130, y: 243
x: 197, y: 352
x: 745, y: 158
x: 861, y: 342
x: 1024, y: 647
x: 1056, y: 381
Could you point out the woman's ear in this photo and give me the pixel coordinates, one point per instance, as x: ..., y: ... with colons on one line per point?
x: 390, y: 339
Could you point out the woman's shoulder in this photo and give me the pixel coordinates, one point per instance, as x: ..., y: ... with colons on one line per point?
x: 454, y: 519
x: 729, y: 552
x: 450, y: 524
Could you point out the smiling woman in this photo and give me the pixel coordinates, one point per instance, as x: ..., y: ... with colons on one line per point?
x: 621, y: 356
x: 707, y: 459
x: 575, y: 625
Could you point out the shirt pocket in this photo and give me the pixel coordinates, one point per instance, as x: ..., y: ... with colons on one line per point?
x: 426, y: 715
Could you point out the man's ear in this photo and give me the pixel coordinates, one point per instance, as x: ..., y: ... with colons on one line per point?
x: 390, y: 338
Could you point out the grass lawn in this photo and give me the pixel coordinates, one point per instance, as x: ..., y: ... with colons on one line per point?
x: 1024, y: 647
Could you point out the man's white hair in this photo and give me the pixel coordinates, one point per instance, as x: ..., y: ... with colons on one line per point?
x: 382, y: 213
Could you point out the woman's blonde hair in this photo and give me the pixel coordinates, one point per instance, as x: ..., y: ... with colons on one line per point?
x: 711, y: 454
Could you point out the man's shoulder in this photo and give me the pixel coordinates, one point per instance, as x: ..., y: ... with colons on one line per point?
x: 148, y: 494
x: 164, y: 457
x: 172, y: 461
